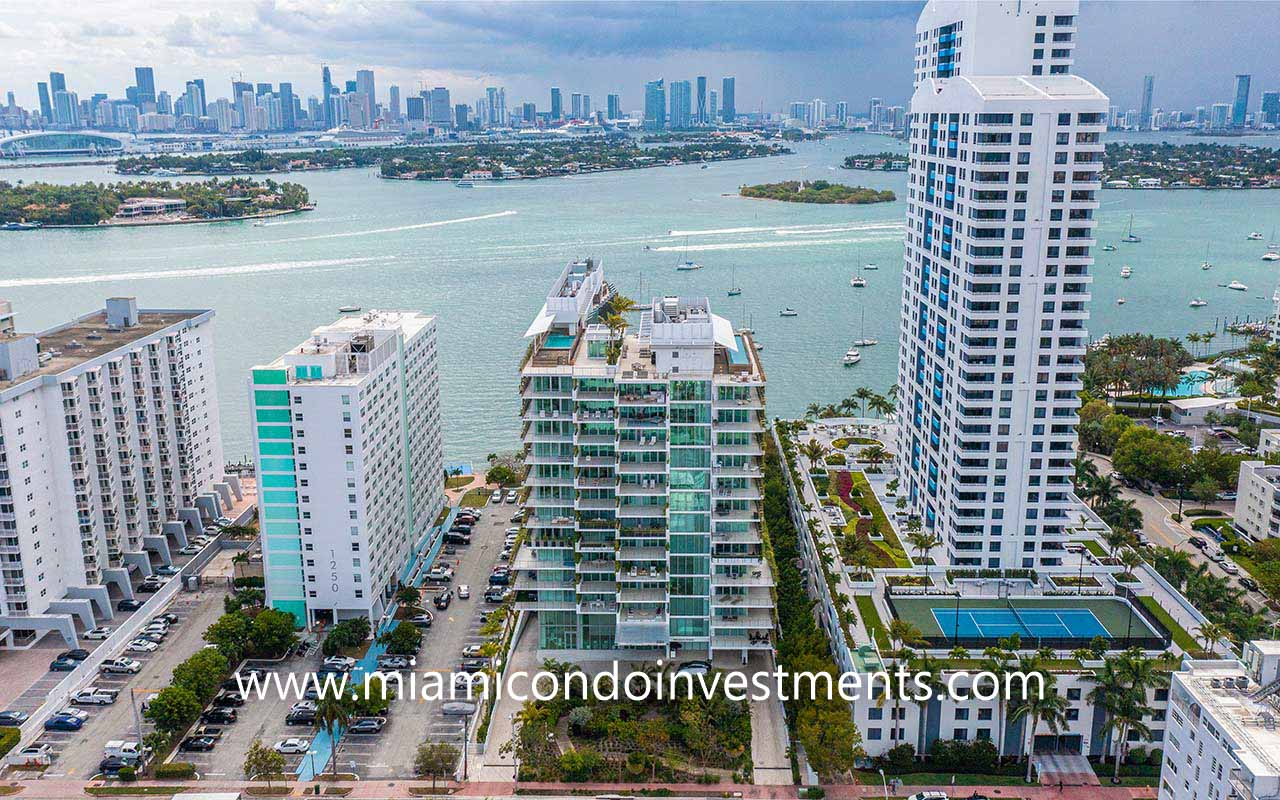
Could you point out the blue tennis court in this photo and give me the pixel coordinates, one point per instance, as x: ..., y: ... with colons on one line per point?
x: 993, y: 623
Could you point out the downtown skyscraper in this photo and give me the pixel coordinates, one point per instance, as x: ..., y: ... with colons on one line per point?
x: 1003, y: 182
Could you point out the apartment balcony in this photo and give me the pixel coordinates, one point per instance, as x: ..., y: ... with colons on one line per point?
x: 643, y: 573
x: 530, y: 414
x: 534, y: 437
x: 541, y: 501
x: 597, y: 415
x: 583, y: 482
x: 596, y: 461
x: 758, y: 578
x: 536, y: 581
x: 754, y: 401
x: 761, y: 641
x: 594, y: 395
x: 544, y: 480
x: 647, y: 488
x: 596, y: 504
x: 529, y: 393
x: 597, y: 607
x: 754, y: 562
x: 738, y: 493
x: 601, y: 549
x: 753, y: 449
x: 548, y: 522
x: 736, y: 515
x: 642, y: 467
x: 641, y: 628
x: 642, y: 423
x: 748, y: 470
x: 754, y: 426
x: 585, y: 439
x: 653, y: 442
x: 560, y: 458
x: 546, y: 605
x: 641, y: 554
x: 752, y: 598
x: 629, y: 594
x: 627, y: 398
x: 634, y: 511
x: 752, y: 618
x: 736, y: 537
x: 598, y: 563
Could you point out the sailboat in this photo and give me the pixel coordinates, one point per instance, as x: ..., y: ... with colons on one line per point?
x: 865, y: 341
x: 1110, y: 248
x: 734, y: 288
x: 1131, y: 237
x: 1206, y: 263
x: 1199, y: 302
x: 687, y: 265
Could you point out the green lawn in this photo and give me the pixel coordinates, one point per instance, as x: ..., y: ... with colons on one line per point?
x: 1181, y: 637
x: 861, y: 492
x: 454, y: 481
x: 1096, y: 548
x: 958, y: 779
x: 871, y: 620
x: 476, y: 498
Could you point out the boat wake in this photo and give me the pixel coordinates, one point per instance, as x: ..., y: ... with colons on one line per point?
x: 784, y: 230
x: 767, y: 244
x: 208, y: 272
x: 375, y: 231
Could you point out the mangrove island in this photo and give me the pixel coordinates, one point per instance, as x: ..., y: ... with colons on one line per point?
x: 1130, y: 165
x: 822, y: 192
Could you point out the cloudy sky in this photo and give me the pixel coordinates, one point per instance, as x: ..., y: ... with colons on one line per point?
x: 778, y: 51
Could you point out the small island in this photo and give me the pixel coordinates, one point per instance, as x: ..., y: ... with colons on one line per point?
x: 884, y: 161
x: 821, y: 192
x: 1202, y: 165
x: 51, y: 205
x: 254, y: 161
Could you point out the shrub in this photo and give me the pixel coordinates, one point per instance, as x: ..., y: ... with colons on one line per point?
x: 901, y: 758
x: 128, y: 774
x: 178, y: 770
x: 347, y: 633
x: 248, y: 582
x: 8, y: 738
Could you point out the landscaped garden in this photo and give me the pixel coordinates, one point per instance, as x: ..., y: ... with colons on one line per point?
x: 867, y: 534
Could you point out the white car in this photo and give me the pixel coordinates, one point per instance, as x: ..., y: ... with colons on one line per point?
x: 1230, y: 567
x: 295, y: 745
x: 496, y: 497
x: 120, y: 665
x: 440, y: 574
x: 471, y: 651
x: 142, y: 646
x: 511, y: 532
x: 98, y: 633
x: 512, y: 495
x: 340, y: 662
x: 464, y: 591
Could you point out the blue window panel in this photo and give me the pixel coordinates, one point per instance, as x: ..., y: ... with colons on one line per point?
x: 279, y: 496
x: 282, y: 481
x: 277, y: 465
x: 279, y: 512
x: 281, y: 529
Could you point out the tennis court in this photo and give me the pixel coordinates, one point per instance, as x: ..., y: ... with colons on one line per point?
x: 1053, y: 621
x: 1064, y: 623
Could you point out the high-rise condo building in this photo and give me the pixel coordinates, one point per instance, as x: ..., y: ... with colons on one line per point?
x: 643, y: 451
x: 990, y: 37
x: 326, y: 94
x: 1148, y: 100
x: 46, y: 103
x: 393, y: 110
x: 1240, y: 107
x: 655, y: 106
x: 145, y: 78
x: 368, y: 95
x: 1003, y: 185
x: 110, y: 454
x: 613, y: 104
x: 288, y: 107
x: 557, y: 104
x: 728, y: 109
x: 713, y: 111
x: 1271, y: 107
x: 57, y: 82
x: 700, y: 110
x: 681, y: 105
x: 349, y: 452
x: 439, y: 111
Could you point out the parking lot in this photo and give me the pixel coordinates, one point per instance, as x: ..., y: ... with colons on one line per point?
x: 410, y: 721
x: 77, y: 753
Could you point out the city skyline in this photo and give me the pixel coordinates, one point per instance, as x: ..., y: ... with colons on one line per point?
x: 781, y: 57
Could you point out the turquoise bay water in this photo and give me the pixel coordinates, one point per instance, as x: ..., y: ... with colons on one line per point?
x: 481, y: 260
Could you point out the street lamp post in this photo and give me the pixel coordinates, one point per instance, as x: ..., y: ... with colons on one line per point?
x: 885, y: 784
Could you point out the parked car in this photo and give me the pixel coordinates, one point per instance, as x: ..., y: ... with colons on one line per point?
x: 111, y: 765
x: 1196, y: 541
x: 120, y: 666
x: 1229, y: 567
x: 219, y: 716
x: 1249, y: 583
x: 12, y: 719
x: 1231, y: 495
x: 496, y: 497
x: 37, y: 755
x: 292, y: 746
x: 422, y: 620
x: 458, y: 709
x: 78, y: 654
x: 97, y: 634
x: 500, y: 579
x: 464, y: 591
x: 167, y: 570
x: 129, y: 605
x: 228, y: 699
x: 142, y: 646
x: 223, y: 521
x: 301, y: 716
x: 367, y: 725
x: 473, y: 664
x: 93, y: 696
x: 694, y: 668
x: 440, y: 574
x: 936, y: 795
x: 343, y: 663
x: 62, y: 722
x: 512, y: 495
x: 442, y: 600
x: 456, y: 538
x: 189, y: 550
x: 63, y: 665
x: 390, y: 662
x: 495, y: 594
x: 197, y: 744
x: 471, y: 651
x: 166, y: 618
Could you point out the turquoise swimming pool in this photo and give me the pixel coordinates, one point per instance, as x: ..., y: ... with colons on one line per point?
x: 558, y: 341
x: 1192, y: 384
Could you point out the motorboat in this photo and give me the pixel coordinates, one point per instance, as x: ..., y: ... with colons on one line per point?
x: 465, y: 184
x: 1126, y: 271
x: 1272, y: 254
x: 857, y: 282
x: 259, y: 224
x: 1120, y: 301
x: 1110, y: 248
x: 1198, y: 303
x: 687, y: 266
x: 788, y: 312
x: 348, y: 309
x: 851, y: 357
x: 20, y: 226
x: 871, y: 266
x: 735, y: 291
x: 1237, y: 286
x: 1255, y: 236
x: 1206, y: 265
x: 866, y: 342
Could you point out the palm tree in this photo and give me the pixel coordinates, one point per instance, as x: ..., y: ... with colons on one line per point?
x: 1131, y: 559
x: 1194, y: 338
x: 1102, y: 491
x: 617, y: 325
x: 1046, y: 708
x: 1212, y: 633
x: 812, y: 411
x: 922, y: 542
x: 862, y: 394
x: 902, y: 636
x: 814, y: 451
x: 998, y: 660
x: 1085, y: 469
x: 333, y: 713
x: 881, y: 406
x: 875, y: 454
x: 927, y: 673
x: 238, y: 561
